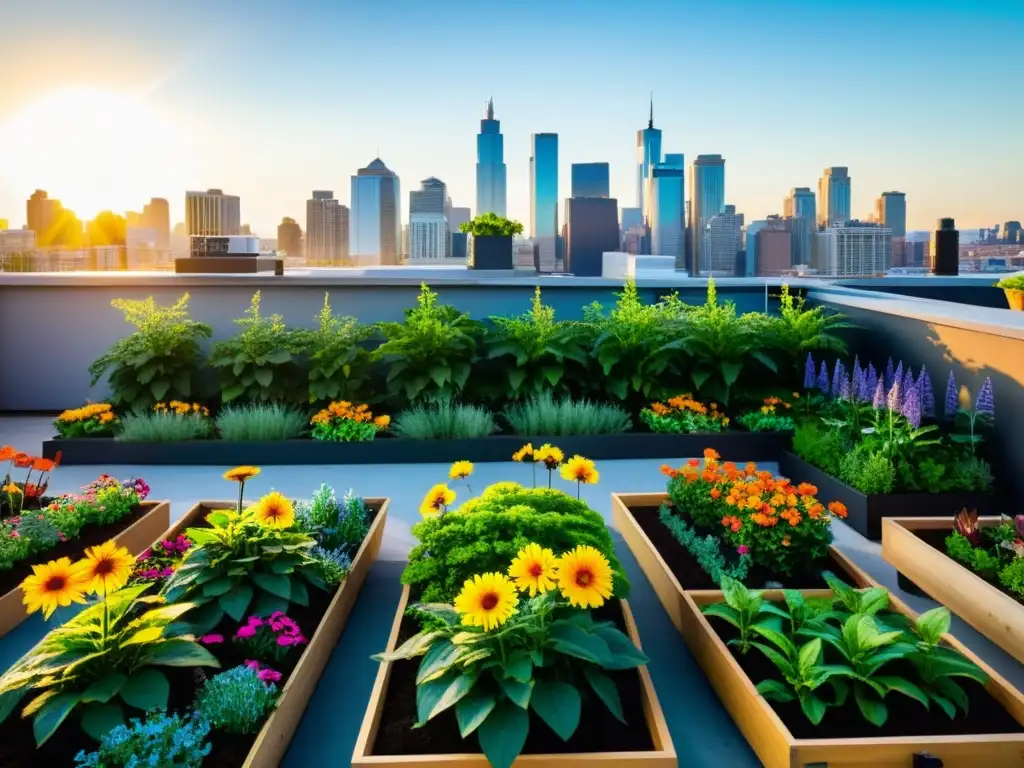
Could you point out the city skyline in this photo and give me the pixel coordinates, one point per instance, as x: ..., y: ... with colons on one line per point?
x: 192, y: 112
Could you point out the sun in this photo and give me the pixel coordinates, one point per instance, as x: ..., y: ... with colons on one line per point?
x: 93, y: 150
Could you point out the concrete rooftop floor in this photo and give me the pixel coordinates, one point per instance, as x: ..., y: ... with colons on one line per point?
x: 702, y: 731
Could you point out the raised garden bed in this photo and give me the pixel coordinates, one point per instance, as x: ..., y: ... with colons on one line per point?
x: 136, y: 531
x: 674, y: 572
x: 738, y: 446
x: 645, y: 743
x: 992, y: 735
x: 867, y: 510
x: 914, y: 546
x: 266, y: 748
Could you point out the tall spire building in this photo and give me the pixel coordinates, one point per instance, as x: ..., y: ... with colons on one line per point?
x: 648, y: 152
x: 490, y: 165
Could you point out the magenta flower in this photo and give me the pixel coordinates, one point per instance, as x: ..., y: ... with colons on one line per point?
x: 278, y: 615
x: 168, y: 571
x: 269, y: 675
x: 253, y: 664
x: 743, y: 549
x: 211, y: 639
x: 255, y: 621
x: 246, y: 631
x: 144, y: 556
x: 286, y: 640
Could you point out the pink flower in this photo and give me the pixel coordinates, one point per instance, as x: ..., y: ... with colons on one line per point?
x: 286, y: 640
x: 145, y: 555
x: 15, y: 535
x: 277, y: 626
x: 278, y: 615
x: 743, y: 549
x: 61, y: 536
x: 168, y: 571
x: 246, y: 632
x: 251, y: 664
x: 255, y: 621
x: 211, y: 639
x: 289, y: 626
x: 269, y: 675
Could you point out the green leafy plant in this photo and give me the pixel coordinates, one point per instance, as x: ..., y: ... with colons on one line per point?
x: 335, y: 524
x: 491, y: 225
x: 236, y: 701
x: 798, y: 330
x: 428, y: 356
x: 543, y: 415
x: 261, y: 422
x: 107, y: 656
x: 747, y: 611
x: 164, y: 427
x: 91, y: 420
x: 159, y: 361
x: 684, y: 415
x: 1012, y: 577
x: 803, y: 673
x: 535, y: 351
x: 343, y: 422
x: 261, y: 361
x: 444, y: 421
x: 772, y: 416
x: 1015, y: 282
x: 938, y: 665
x: 485, y: 533
x: 161, y: 740
x: 338, y: 356
x: 706, y: 550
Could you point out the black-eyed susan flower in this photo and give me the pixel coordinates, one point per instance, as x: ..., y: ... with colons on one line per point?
x: 105, y: 568
x: 579, y: 470
x: 487, y: 600
x: 533, y: 569
x: 460, y: 470
x: 437, y: 500
x: 241, y: 474
x: 274, y: 511
x: 550, y: 457
x: 524, y: 454
x: 52, y: 585
x: 585, y: 577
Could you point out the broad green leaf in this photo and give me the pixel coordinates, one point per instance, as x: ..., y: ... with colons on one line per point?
x: 558, y: 705
x: 809, y: 655
x: 100, y: 719
x: 571, y: 640
x: 944, y: 704
x: 502, y: 735
x: 205, y: 617
x: 266, y: 604
x: 411, y: 648
x: 516, y: 376
x: 775, y: 690
x: 143, y: 637
x: 9, y: 701
x: 933, y: 624
x: 553, y: 373
x: 236, y: 602
x: 146, y: 689
x: 722, y: 611
x: 517, y: 692
x: 870, y: 705
x: 49, y: 718
x: 781, y: 662
x: 905, y: 687
x: 624, y: 655
x: 39, y: 702
x: 519, y: 668
x: 300, y: 595
x: 104, y: 689
x: 472, y: 710
x: 275, y: 583
x: 456, y: 690
x: 730, y: 371
x: 774, y: 636
x: 218, y: 519
x: 813, y: 707
x: 951, y: 690
x: 605, y: 689
x: 181, y: 653
x: 441, y: 655
x: 264, y: 376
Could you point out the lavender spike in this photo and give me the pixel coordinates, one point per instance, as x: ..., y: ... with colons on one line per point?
x: 986, y: 402
x: 823, y: 378
x: 879, y: 401
x: 912, y: 406
x: 952, y: 403
x: 809, y: 372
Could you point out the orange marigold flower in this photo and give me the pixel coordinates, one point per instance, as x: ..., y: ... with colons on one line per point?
x: 715, y: 493
x: 693, y: 462
x: 23, y: 460
x: 730, y: 500
x: 711, y: 454
x: 751, y: 467
x: 777, y: 500
x: 837, y: 508
x: 806, y: 489
x: 785, y: 541
x: 815, y: 511
x: 667, y: 470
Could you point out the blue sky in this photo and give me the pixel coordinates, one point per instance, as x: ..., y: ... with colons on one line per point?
x: 269, y: 100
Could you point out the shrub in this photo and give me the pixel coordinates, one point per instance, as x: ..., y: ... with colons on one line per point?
x: 1014, y: 282
x: 798, y: 331
x: 159, y: 361
x: 429, y: 356
x: 683, y: 414
x: 339, y: 361
x: 259, y: 363
x: 165, y: 426
x: 444, y: 421
x: 261, y: 422
x: 491, y: 225
x: 160, y: 741
x: 486, y: 533
x: 91, y: 420
x: 346, y: 423
x: 543, y: 415
x: 822, y: 447
x: 236, y: 701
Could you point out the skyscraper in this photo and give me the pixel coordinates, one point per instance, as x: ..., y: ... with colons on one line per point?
x: 212, y: 213
x: 800, y: 208
x: 707, y: 200
x: 774, y: 249
x: 834, y: 194
x: 854, y: 249
x: 721, y: 242
x: 544, y: 199
x: 665, y: 209
x: 327, y: 230
x: 490, y: 165
x: 428, y: 221
x: 648, y: 152
x: 592, y: 228
x: 41, y: 214
x: 891, y: 211
x: 590, y: 180
x: 289, y: 237
x: 946, y: 256
x: 375, y: 225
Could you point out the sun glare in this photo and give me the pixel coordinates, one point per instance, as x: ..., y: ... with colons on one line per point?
x: 93, y: 150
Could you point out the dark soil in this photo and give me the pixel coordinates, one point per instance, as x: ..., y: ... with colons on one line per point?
x: 89, y: 536
x: 907, y: 717
x: 599, y: 731
x: 687, y: 570
x: 937, y: 540
x: 17, y: 744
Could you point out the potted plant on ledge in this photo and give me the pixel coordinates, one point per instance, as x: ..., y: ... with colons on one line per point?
x: 1013, y: 287
x: 491, y: 246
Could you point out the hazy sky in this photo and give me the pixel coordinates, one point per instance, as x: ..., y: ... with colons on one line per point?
x: 269, y: 100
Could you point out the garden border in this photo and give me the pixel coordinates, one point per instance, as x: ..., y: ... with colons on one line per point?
x: 736, y: 446
x: 136, y: 538
x: 662, y: 756
x: 865, y: 511
x: 985, y: 607
x: 277, y: 732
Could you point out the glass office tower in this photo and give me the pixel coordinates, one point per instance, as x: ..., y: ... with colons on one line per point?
x: 490, y: 165
x: 834, y: 193
x: 544, y: 199
x: 707, y: 200
x: 590, y: 180
x: 648, y: 152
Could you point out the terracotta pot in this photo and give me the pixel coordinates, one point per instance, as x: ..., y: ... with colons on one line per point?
x: 1015, y: 297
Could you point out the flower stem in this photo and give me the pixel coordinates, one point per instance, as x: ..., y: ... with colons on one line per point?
x: 241, y: 490
x: 105, y: 619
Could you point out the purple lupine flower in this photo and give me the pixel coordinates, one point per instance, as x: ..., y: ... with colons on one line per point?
x: 895, y: 398
x: 809, y: 372
x: 986, y: 402
x: 889, y: 374
x: 924, y: 384
x: 846, y: 389
x: 872, y: 375
x: 879, y: 401
x: 856, y: 363
x: 912, y: 406
x: 859, y: 386
x: 951, y: 406
x: 837, y: 377
x: 909, y: 384
x: 823, y: 378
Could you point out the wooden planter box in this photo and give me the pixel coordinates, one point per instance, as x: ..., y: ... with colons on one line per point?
x: 673, y: 597
x: 663, y: 755
x: 273, y: 739
x: 985, y: 607
x: 136, y: 537
x: 866, y: 511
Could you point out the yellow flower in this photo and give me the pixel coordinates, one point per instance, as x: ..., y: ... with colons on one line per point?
x: 580, y: 470
x: 11, y: 488
x: 585, y: 577
x: 241, y: 474
x: 438, y: 496
x: 487, y: 600
x: 382, y: 421
x: 461, y: 470
x: 550, y: 455
x: 274, y: 511
x: 524, y: 454
x: 51, y: 585
x: 105, y: 568
x: 534, y: 569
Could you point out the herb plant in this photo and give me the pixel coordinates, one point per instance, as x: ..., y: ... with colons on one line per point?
x: 444, y: 420
x: 798, y: 330
x: 160, y: 740
x: 236, y: 701
x: 747, y: 611
x: 260, y: 422
x: 159, y: 361
x: 543, y: 415
x: 338, y: 356
x: 707, y: 550
x: 166, y: 426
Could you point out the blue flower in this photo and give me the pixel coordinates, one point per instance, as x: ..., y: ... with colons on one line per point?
x: 951, y: 405
x: 823, y: 378
x: 809, y: 372
x: 986, y: 402
x: 924, y: 384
